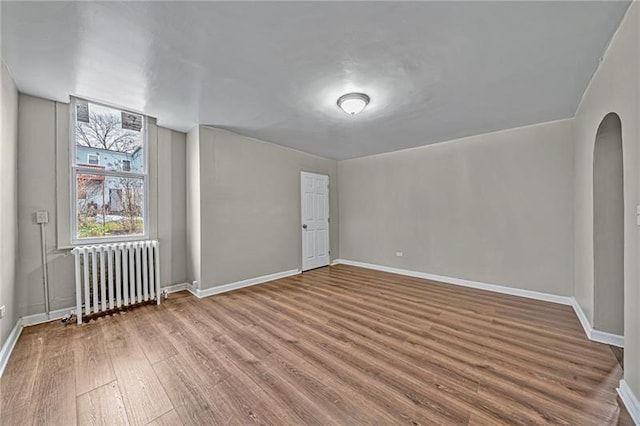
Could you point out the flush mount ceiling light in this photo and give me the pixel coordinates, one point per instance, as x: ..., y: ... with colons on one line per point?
x: 353, y: 103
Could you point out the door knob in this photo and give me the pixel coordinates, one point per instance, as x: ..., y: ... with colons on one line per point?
x: 304, y: 226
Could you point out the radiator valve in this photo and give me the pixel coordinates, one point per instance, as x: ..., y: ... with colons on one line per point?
x: 65, y: 319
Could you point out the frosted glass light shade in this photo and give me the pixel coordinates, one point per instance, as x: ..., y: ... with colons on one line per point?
x: 353, y: 103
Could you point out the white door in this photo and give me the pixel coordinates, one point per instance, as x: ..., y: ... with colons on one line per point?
x: 315, y: 220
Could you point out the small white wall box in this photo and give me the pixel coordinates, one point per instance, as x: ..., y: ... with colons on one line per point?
x: 42, y: 217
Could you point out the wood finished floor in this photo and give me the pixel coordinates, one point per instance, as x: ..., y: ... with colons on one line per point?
x: 338, y: 345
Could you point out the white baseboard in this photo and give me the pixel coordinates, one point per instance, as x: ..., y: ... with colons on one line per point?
x: 608, y: 338
x: 547, y: 297
x: 8, y: 346
x: 241, y: 284
x: 40, y: 318
x: 630, y: 401
x: 596, y: 335
x: 173, y: 288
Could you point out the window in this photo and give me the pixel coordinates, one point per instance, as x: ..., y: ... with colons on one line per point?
x: 93, y: 159
x: 109, y: 172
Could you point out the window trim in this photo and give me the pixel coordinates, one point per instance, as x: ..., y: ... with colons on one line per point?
x: 76, y: 169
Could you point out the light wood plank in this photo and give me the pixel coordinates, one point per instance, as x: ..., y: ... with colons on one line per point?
x: 168, y: 419
x: 144, y: 396
x: 102, y: 406
x: 145, y: 328
x: 17, y: 382
x: 188, y: 394
x: 92, y: 365
x: 54, y: 392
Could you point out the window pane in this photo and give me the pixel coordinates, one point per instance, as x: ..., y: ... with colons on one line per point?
x: 109, y: 206
x: 109, y: 138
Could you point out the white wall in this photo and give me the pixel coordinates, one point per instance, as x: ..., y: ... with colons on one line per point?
x: 43, y: 135
x: 495, y: 208
x: 249, y: 194
x: 9, y: 197
x: 615, y: 87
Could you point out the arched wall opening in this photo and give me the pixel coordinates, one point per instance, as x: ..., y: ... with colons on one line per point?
x: 608, y: 227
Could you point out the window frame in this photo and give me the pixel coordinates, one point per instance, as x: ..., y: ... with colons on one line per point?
x: 76, y: 169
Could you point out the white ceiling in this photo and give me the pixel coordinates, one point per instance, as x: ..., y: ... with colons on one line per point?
x: 434, y: 70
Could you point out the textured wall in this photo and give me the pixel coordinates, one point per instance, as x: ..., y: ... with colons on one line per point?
x: 615, y: 87
x: 9, y: 197
x: 250, y: 206
x: 495, y: 208
x: 40, y: 151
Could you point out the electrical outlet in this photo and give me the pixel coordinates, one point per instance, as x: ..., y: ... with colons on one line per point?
x: 398, y: 254
x: 42, y: 216
x: 3, y: 311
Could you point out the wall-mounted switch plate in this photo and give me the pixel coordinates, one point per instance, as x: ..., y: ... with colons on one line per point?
x: 42, y: 216
x: 3, y: 311
x: 399, y: 254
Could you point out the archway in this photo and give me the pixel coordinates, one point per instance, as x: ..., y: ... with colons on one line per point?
x: 608, y: 227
